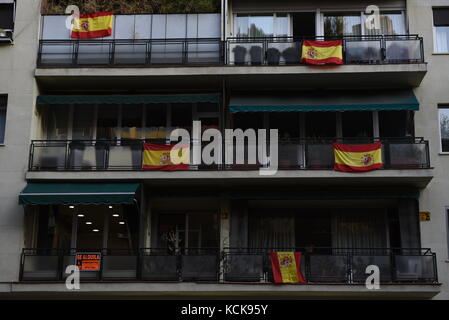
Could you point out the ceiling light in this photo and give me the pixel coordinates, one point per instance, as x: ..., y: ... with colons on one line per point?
x: 110, y: 207
x: 116, y: 215
x: 81, y: 215
x: 122, y: 222
x: 95, y: 230
x: 72, y: 207
x: 88, y: 222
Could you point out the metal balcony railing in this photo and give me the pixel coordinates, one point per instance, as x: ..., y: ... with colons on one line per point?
x: 293, y: 154
x: 231, y: 265
x: 378, y: 49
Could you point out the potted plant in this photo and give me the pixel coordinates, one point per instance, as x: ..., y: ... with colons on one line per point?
x: 256, y: 55
x: 239, y: 55
x: 291, y: 55
x: 273, y: 56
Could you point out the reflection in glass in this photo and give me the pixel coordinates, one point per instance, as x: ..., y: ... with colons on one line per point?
x: 55, y: 119
x: 342, y: 25
x: 390, y: 24
x: 444, y: 129
x: 83, y: 122
x: 262, y: 25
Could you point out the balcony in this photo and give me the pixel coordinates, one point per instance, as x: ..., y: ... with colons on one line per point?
x: 294, y: 154
x: 369, y: 62
x: 232, y: 265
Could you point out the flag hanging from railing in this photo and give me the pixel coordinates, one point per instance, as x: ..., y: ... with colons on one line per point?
x: 322, y: 52
x: 358, y: 158
x: 286, y: 267
x: 162, y: 157
x: 93, y: 25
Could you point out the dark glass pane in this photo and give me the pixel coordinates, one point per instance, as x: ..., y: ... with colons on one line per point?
x: 357, y: 124
x: 131, y: 121
x: 320, y: 124
x: 107, y: 122
x: 286, y: 122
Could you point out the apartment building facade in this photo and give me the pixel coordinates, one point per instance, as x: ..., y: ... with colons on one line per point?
x: 76, y: 115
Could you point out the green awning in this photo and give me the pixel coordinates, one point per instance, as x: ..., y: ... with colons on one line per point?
x: 128, y: 99
x: 78, y: 193
x: 325, y: 101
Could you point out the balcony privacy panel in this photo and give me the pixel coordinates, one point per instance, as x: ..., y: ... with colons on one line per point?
x: 414, y: 268
x: 364, y: 51
x: 119, y: 267
x: 401, y: 51
x: 159, y: 267
x: 328, y: 268
x: 40, y: 267
x: 50, y: 157
x: 244, y: 267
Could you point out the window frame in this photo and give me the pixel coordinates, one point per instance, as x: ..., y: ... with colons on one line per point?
x: 441, y: 106
x: 14, y: 10
x: 434, y: 31
x: 4, y: 107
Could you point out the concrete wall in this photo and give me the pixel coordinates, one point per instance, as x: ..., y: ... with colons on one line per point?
x: 433, y: 91
x: 17, y: 81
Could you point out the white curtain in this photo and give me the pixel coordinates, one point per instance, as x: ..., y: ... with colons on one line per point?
x: 359, y: 229
x: 272, y: 231
x: 442, y: 39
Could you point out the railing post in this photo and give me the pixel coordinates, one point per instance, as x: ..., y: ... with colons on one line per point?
x: 75, y: 49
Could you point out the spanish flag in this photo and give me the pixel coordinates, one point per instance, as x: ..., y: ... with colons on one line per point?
x: 162, y: 157
x: 322, y: 52
x: 93, y: 25
x: 286, y: 267
x: 358, y: 158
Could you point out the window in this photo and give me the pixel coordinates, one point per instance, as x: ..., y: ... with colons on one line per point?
x: 444, y: 128
x: 267, y: 25
x: 342, y: 25
x: 321, y: 124
x: 441, y: 29
x: 7, y: 8
x: 3, y: 100
x: 391, y: 23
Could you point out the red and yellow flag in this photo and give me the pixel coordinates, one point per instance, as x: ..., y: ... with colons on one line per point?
x: 161, y: 157
x: 358, y: 158
x: 322, y: 52
x: 286, y: 267
x: 93, y: 25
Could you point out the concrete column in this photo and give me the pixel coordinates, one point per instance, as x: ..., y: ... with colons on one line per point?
x: 409, y: 223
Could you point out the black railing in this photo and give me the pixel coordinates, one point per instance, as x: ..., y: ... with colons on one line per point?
x: 293, y: 154
x: 115, y: 52
x: 377, y: 49
x: 318, y: 265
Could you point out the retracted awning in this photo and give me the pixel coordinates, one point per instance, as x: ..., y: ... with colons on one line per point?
x: 325, y: 101
x: 78, y: 193
x: 128, y: 99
